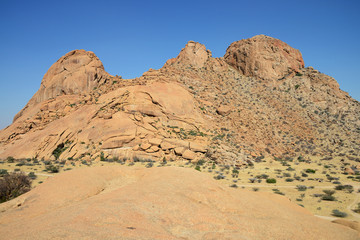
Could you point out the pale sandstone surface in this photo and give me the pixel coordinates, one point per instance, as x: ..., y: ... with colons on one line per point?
x: 119, y: 202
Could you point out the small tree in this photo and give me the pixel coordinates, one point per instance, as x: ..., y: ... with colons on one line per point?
x: 13, y: 185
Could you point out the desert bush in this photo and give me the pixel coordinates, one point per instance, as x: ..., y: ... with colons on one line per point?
x: 201, y: 162
x: 328, y: 198
x: 59, y: 150
x: 301, y: 187
x: 32, y: 175
x: 51, y: 168
x: 3, y: 172
x: 271, y: 180
x: 13, y: 185
x: 289, y: 179
x: 252, y: 180
x: 102, y: 157
x: 310, y: 170
x: 198, y: 168
x: 328, y: 195
x: 150, y: 164
x: 357, y: 209
x: 329, y: 192
x: 220, y: 176
x: 338, y: 213
x: 285, y: 174
x: 22, y: 163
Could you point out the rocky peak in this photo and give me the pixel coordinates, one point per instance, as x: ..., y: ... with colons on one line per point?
x: 79, y: 71
x: 264, y: 57
x: 193, y: 55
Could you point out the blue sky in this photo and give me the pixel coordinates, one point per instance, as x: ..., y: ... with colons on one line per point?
x: 130, y: 37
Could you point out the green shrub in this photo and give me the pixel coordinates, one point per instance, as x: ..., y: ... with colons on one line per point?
x: 301, y: 187
x: 3, y: 172
x: 338, y: 213
x: 32, y: 175
x: 52, y: 168
x: 102, y: 157
x: 328, y: 198
x: 198, y: 168
x: 149, y: 165
x: 271, y: 180
x: 59, y: 150
x: 13, y: 185
x: 310, y: 170
x: 200, y: 162
x: 329, y: 192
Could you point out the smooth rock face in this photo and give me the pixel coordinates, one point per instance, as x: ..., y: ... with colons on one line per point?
x: 78, y: 71
x: 264, y: 57
x: 193, y: 55
x: 118, y: 202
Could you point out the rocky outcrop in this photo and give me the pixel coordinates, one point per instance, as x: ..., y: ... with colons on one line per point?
x: 194, y: 55
x: 195, y: 107
x: 264, y: 57
x: 77, y: 72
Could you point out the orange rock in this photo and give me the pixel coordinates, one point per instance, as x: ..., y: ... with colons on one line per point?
x: 196, y: 147
x: 155, y: 141
x: 188, y: 154
x: 223, y: 110
x: 145, y: 146
x: 264, y: 57
x: 179, y: 150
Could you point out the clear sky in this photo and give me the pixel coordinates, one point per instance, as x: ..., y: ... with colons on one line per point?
x: 130, y: 37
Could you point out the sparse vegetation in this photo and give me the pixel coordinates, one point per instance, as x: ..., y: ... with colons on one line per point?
x: 13, y: 185
x: 338, y: 213
x: 271, y: 180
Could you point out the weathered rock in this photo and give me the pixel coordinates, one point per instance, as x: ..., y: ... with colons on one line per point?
x: 136, y: 148
x: 179, y: 150
x: 166, y: 145
x: 223, y: 110
x: 196, y: 147
x: 152, y: 149
x: 176, y: 142
x: 349, y: 171
x: 145, y: 146
x: 178, y: 101
x: 117, y: 142
x: 193, y: 55
x: 188, y: 154
x: 155, y: 141
x: 264, y: 57
x: 78, y: 71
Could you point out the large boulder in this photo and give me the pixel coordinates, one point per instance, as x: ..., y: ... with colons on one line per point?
x: 78, y: 71
x: 193, y: 55
x: 264, y: 57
